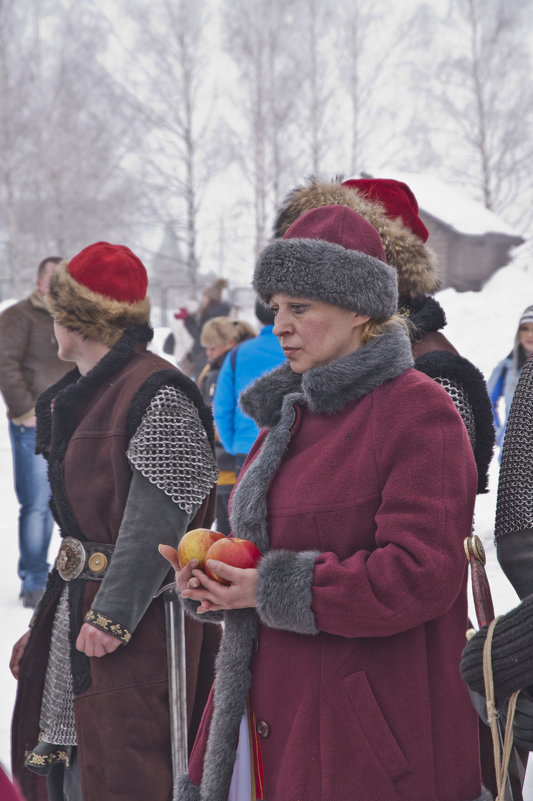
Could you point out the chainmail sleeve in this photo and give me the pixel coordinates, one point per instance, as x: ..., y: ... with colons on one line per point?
x: 171, y: 449
x: 514, y: 507
x: 467, y: 388
x: 462, y: 403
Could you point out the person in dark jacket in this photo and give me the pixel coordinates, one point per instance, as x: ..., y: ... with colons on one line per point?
x: 219, y: 336
x: 211, y: 306
x: 28, y: 364
x: 129, y: 444
x: 391, y: 208
x: 338, y: 674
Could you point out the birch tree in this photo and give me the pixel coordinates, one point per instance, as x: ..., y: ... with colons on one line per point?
x: 481, y: 93
x: 262, y: 39
x: 64, y: 137
x: 169, y: 77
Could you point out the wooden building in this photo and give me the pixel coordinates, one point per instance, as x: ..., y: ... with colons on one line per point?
x: 470, y: 241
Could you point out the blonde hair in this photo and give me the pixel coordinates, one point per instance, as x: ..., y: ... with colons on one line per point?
x: 372, y: 329
x: 222, y: 330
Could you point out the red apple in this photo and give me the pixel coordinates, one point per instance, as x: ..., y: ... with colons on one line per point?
x: 195, y: 545
x: 234, y: 551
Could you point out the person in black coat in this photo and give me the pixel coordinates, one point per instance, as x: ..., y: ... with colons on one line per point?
x: 211, y: 306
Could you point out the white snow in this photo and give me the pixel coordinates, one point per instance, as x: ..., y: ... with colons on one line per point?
x: 481, y: 325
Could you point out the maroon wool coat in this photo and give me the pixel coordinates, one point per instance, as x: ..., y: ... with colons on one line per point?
x: 371, y: 706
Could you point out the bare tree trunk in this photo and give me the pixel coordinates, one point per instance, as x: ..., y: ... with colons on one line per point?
x: 187, y: 71
x: 13, y: 275
x: 315, y: 105
x: 478, y: 89
x: 259, y: 133
x: 352, y: 30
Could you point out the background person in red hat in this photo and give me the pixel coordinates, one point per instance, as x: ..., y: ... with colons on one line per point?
x: 391, y: 208
x: 129, y: 445
x: 338, y: 672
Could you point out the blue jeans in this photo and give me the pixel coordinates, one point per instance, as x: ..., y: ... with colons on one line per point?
x: 35, y: 518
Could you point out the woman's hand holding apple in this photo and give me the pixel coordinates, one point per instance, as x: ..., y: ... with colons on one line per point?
x: 183, y: 574
x: 194, y: 583
x: 214, y: 596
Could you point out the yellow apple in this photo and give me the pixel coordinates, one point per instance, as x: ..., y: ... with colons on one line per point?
x: 195, y: 544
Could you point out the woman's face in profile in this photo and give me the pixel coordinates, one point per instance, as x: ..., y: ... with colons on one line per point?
x: 525, y: 336
x: 214, y: 351
x: 313, y: 333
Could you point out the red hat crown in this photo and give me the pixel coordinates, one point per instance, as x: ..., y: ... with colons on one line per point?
x: 397, y: 199
x: 110, y: 270
x: 338, y: 225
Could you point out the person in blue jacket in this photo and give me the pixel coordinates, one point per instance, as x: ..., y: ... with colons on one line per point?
x: 242, y: 365
x: 504, y: 377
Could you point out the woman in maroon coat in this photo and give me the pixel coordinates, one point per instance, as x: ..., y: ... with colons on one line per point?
x: 338, y: 676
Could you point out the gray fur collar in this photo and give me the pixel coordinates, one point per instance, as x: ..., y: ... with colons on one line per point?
x: 329, y: 388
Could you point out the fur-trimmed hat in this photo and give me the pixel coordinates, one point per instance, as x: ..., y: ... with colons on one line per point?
x: 397, y: 199
x: 101, y: 292
x: 330, y: 254
x: 413, y: 260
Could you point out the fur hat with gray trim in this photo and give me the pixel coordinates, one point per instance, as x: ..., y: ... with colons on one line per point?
x: 100, y: 293
x: 330, y: 254
x: 399, y: 227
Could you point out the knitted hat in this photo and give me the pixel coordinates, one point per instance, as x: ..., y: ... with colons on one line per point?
x: 214, y: 292
x: 405, y: 250
x: 330, y: 254
x: 527, y: 316
x: 397, y: 199
x: 101, y: 292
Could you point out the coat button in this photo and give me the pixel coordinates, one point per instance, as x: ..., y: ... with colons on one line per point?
x: 263, y: 729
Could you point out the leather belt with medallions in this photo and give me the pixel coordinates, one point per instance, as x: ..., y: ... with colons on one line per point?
x: 87, y: 560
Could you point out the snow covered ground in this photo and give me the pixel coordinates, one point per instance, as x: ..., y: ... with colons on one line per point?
x: 481, y: 325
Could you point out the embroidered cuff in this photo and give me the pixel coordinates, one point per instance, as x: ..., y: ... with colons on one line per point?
x: 284, y: 591
x: 45, y: 755
x: 105, y: 623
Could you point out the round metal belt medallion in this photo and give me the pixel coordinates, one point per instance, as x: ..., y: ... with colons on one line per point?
x: 70, y: 559
x: 97, y: 562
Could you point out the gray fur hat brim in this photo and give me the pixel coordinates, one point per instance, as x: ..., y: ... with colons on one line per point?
x: 320, y: 270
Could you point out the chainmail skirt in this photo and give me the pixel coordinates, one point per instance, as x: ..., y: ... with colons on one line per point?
x: 57, y: 707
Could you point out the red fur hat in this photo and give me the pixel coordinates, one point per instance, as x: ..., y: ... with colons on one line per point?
x: 396, y: 198
x: 101, y: 292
